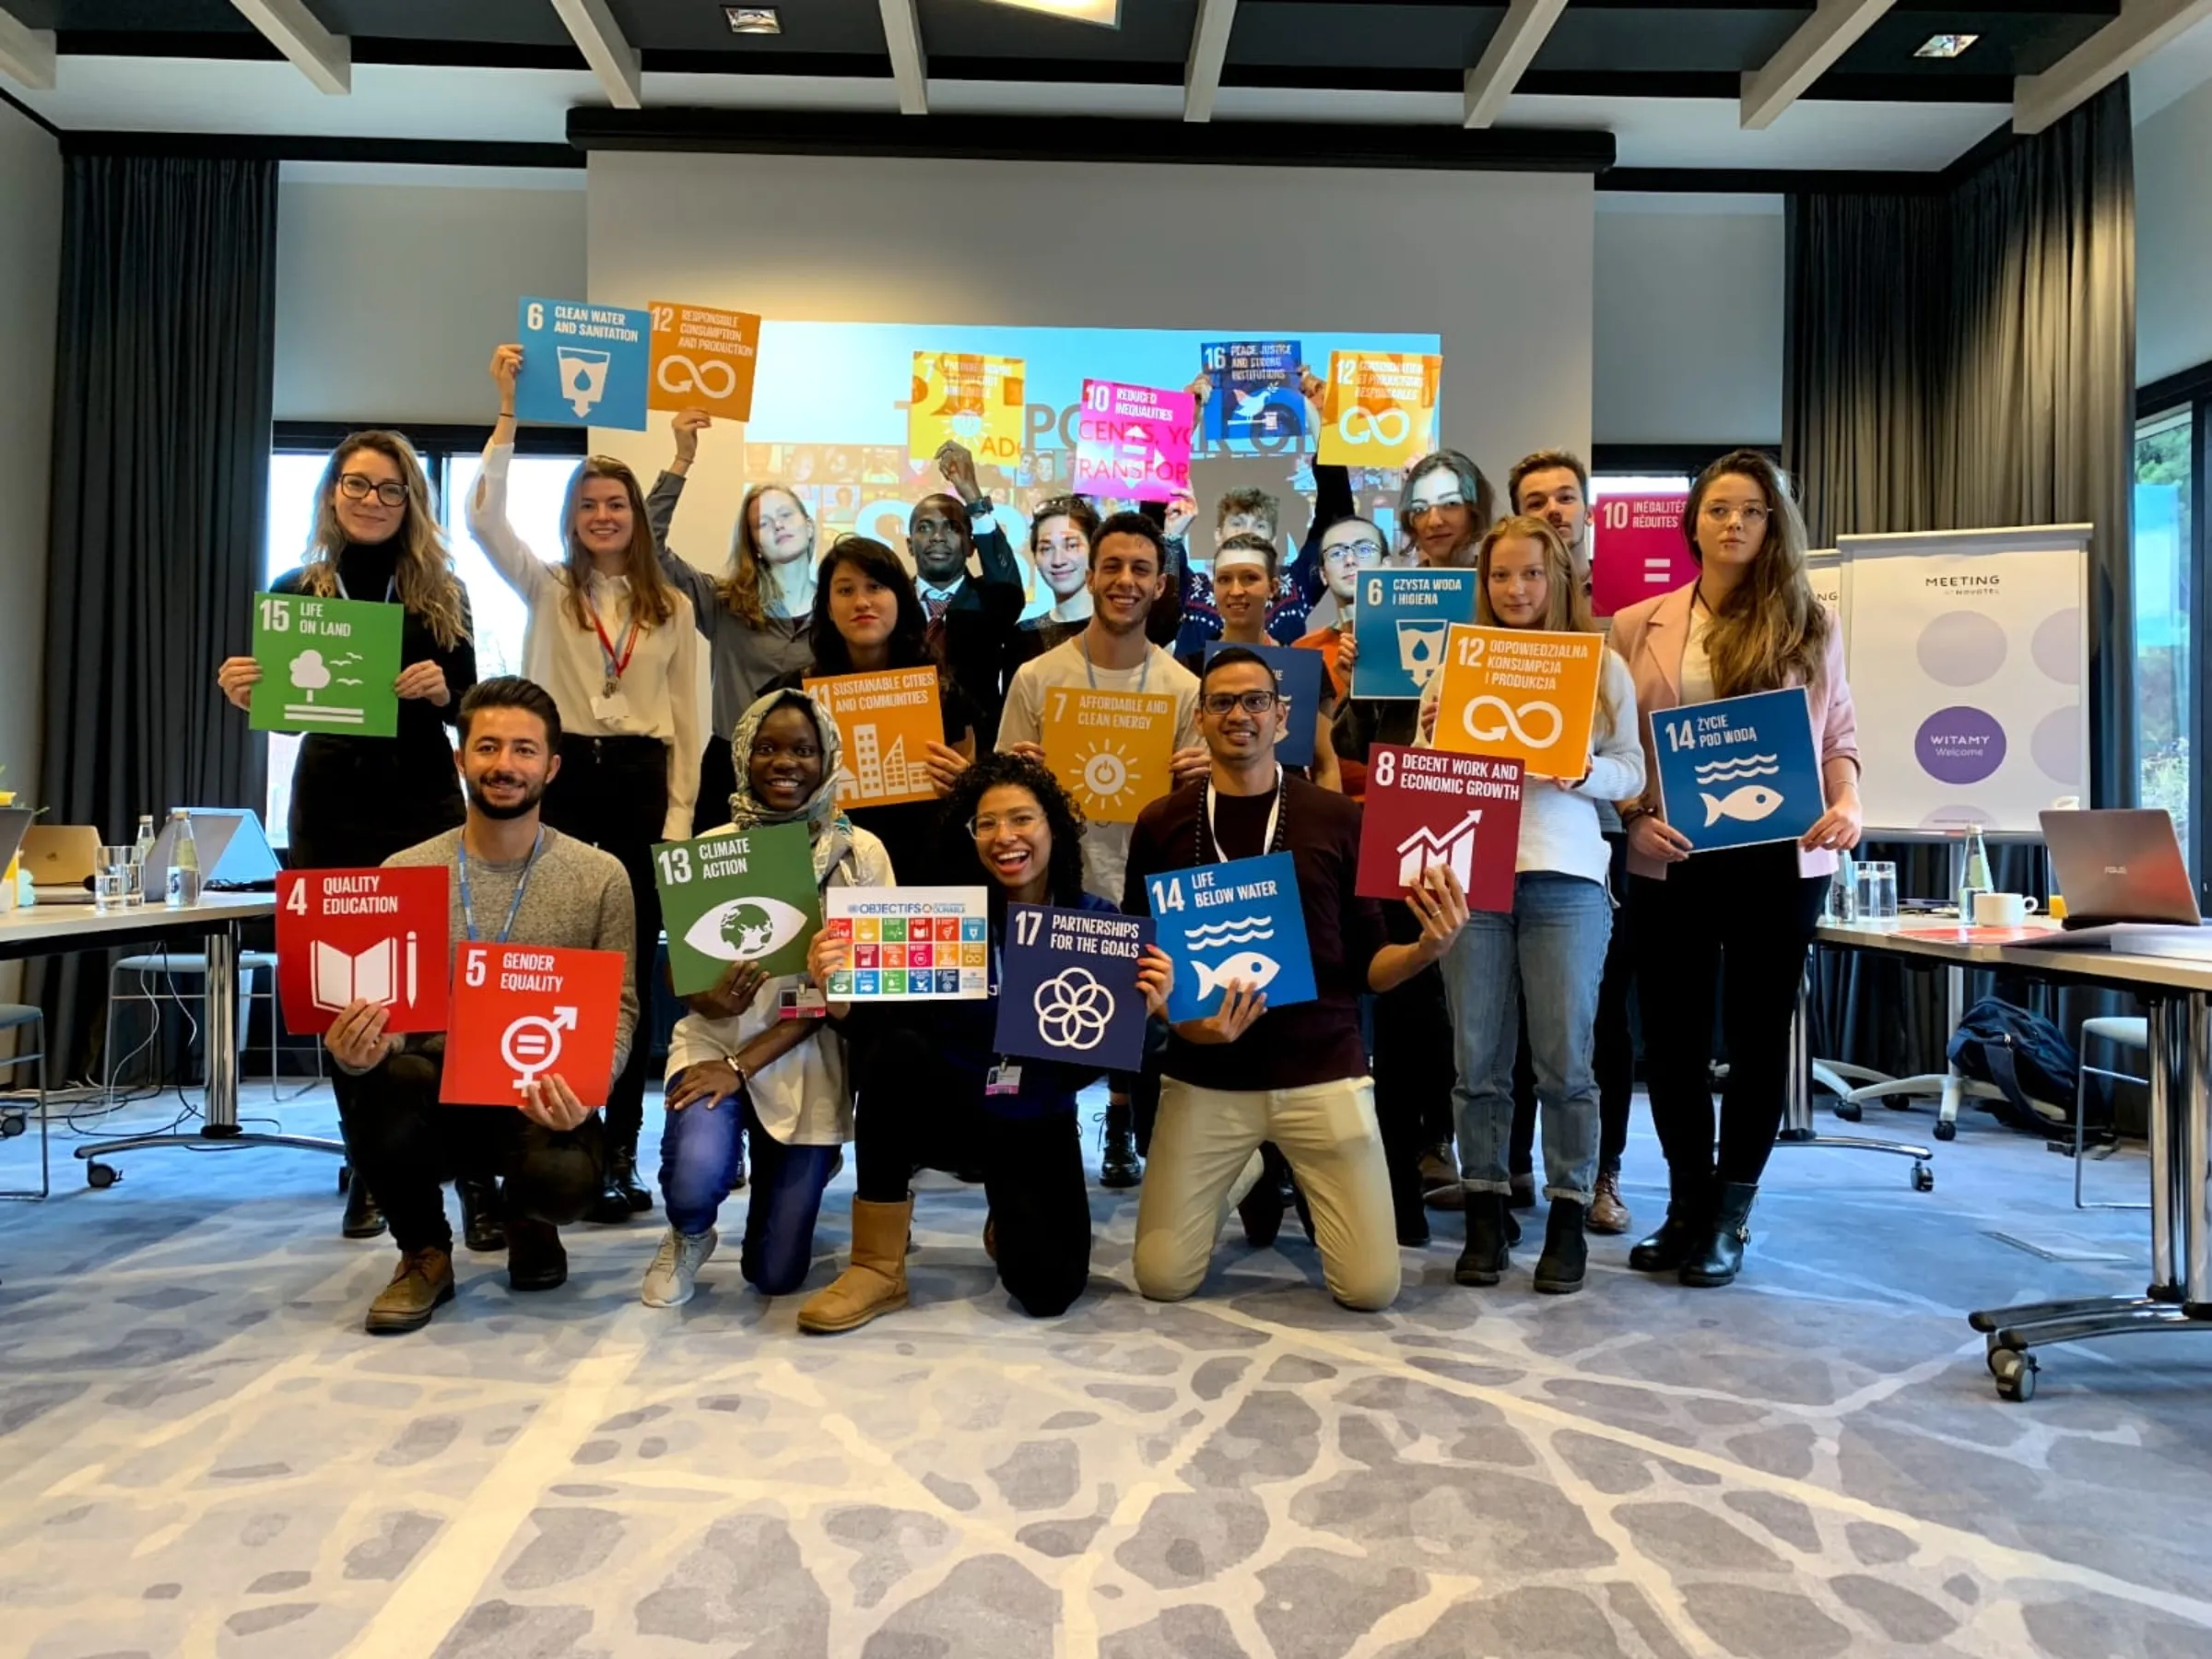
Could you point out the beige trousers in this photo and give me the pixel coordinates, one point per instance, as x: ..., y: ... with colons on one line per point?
x: 1202, y: 1139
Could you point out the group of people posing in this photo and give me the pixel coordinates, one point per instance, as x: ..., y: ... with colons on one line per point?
x: 1440, y: 1040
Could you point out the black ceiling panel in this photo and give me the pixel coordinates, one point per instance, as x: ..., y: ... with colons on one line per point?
x: 105, y: 16
x: 1398, y: 36
x: 509, y: 22
x: 2012, y: 42
x: 1151, y: 31
x: 1673, y: 40
x: 826, y: 26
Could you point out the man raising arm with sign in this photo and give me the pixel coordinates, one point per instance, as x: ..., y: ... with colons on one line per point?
x: 1297, y: 1077
x: 515, y: 881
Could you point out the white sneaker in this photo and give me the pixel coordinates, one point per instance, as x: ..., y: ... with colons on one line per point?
x: 671, y: 1280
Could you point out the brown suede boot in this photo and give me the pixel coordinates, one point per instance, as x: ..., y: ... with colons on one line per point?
x: 422, y: 1281
x: 876, y: 1281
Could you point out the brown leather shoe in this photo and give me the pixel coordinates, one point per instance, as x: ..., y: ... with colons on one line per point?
x: 1440, y: 1180
x: 873, y: 1281
x: 423, y: 1280
x: 1607, y: 1213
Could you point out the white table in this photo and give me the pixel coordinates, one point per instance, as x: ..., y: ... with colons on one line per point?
x: 210, y: 928
x: 2177, y: 994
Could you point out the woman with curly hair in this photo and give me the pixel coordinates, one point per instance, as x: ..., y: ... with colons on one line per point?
x: 1028, y: 838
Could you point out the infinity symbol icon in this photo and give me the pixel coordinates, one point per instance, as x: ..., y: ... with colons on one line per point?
x: 1513, y: 718
x: 698, y: 377
x: 1374, y: 428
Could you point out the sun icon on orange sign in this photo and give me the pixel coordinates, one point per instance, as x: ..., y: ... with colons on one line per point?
x: 1105, y: 773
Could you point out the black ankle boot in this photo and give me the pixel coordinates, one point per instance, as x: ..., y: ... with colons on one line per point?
x: 1689, y: 1216
x: 1118, y: 1165
x: 481, y: 1226
x: 1719, y: 1255
x: 1566, y: 1256
x: 363, y: 1218
x: 1485, y: 1258
x: 621, y: 1197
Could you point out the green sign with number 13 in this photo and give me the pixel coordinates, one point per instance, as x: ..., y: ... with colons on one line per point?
x: 744, y: 898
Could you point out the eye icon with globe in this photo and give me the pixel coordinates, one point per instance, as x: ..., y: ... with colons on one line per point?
x: 744, y: 930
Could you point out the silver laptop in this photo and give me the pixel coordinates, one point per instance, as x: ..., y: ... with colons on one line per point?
x: 234, y: 854
x: 2120, y: 864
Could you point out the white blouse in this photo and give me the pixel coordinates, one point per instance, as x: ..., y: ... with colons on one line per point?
x: 659, y: 688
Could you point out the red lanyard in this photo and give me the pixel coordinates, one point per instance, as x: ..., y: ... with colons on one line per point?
x: 616, y: 664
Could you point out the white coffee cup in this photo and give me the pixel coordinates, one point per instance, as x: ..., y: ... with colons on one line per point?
x: 2001, y: 910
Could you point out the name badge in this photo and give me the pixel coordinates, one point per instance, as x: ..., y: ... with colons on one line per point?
x: 802, y: 1002
x: 1003, y: 1079
x: 611, y: 709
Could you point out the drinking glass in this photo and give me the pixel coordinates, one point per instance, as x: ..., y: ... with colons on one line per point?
x: 1878, y: 891
x: 112, y: 880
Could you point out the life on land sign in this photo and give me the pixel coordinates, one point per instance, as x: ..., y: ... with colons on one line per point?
x: 741, y: 896
x: 523, y: 1012
x: 327, y: 665
x: 375, y: 936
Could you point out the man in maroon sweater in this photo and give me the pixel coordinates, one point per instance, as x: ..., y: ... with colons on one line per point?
x: 1296, y: 1077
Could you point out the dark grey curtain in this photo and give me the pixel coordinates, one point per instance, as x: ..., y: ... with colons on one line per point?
x: 1959, y: 358
x: 163, y: 412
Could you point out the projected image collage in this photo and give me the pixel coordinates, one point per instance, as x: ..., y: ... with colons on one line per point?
x: 830, y: 421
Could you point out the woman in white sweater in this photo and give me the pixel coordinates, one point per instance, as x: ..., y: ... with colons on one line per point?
x: 1551, y: 948
x: 617, y: 647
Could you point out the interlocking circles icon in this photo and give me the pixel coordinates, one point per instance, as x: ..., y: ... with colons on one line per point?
x: 1072, y: 1009
x: 1361, y: 424
x: 698, y: 377
x: 1513, y: 718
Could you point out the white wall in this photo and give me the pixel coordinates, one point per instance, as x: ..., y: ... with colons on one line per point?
x: 30, y: 260
x: 1688, y: 325
x: 394, y: 284
x: 1070, y: 245
x: 2173, y: 237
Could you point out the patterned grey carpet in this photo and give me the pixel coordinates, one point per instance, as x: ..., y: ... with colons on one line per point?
x: 200, y: 1453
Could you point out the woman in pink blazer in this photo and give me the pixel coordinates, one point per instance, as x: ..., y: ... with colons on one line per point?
x: 1748, y: 623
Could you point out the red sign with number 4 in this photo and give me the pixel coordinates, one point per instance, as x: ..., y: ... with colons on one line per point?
x: 367, y: 935
x: 1430, y: 806
x: 521, y: 1012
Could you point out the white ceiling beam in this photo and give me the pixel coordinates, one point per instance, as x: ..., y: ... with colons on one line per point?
x: 1209, y: 50
x: 324, y: 58
x: 909, y: 64
x: 599, y: 38
x: 1832, y: 30
x: 1491, y: 82
x: 2142, y: 26
x: 26, y: 54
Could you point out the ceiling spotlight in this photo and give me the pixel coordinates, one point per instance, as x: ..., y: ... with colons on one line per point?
x: 1945, y: 45
x: 752, y: 19
x: 1105, y: 12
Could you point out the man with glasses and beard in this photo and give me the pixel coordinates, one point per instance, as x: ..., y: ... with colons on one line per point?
x: 514, y: 881
x: 972, y: 620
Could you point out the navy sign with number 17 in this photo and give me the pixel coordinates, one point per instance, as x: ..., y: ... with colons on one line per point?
x: 1068, y: 990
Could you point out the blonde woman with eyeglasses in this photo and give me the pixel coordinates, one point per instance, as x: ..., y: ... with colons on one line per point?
x: 1748, y: 623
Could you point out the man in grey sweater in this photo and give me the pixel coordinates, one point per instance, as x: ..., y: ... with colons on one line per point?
x: 514, y: 881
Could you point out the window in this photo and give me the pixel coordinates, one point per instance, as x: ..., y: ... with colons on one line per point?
x: 2165, y: 479
x: 536, y: 484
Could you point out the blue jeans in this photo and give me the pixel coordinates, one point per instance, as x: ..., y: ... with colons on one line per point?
x: 698, y: 1164
x: 1551, y: 951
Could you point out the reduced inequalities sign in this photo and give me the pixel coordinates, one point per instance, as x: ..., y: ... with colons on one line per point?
x: 1236, y: 923
x: 1741, y: 770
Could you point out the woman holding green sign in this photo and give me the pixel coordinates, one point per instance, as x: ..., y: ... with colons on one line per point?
x: 355, y: 801
x: 735, y: 1067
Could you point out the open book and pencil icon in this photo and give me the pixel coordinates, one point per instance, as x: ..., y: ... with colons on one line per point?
x: 383, y: 974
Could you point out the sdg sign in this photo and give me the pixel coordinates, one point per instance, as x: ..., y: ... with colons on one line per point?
x: 1739, y: 771
x: 1068, y: 990
x: 1236, y: 923
x: 327, y: 665
x: 583, y: 365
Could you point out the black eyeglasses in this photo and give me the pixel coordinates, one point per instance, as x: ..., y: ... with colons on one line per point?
x: 359, y: 487
x: 1218, y: 703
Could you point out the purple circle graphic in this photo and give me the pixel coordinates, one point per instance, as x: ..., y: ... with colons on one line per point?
x: 1960, y: 648
x: 2056, y: 646
x: 1960, y: 745
x: 2053, y: 745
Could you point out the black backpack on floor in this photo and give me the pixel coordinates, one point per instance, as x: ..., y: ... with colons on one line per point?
x: 2025, y: 1056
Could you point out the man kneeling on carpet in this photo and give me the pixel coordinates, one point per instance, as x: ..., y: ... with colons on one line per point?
x: 1297, y: 1075
x: 514, y: 881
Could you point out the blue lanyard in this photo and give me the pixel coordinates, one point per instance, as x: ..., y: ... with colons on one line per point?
x: 390, y: 585
x: 468, y: 911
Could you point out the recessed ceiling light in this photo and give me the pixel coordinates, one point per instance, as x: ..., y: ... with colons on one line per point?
x: 752, y: 19
x: 1945, y: 45
x: 1106, y: 12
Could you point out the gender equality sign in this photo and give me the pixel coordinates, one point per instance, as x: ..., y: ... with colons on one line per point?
x: 1379, y: 408
x: 1637, y: 551
x: 327, y: 665
x: 1133, y: 441
x: 1110, y: 749
x: 969, y: 399
x: 1257, y: 392
x: 1523, y: 693
x: 1739, y: 771
x: 745, y: 897
x: 920, y: 944
x: 523, y: 1012
x: 1240, y: 923
x: 887, y: 722
x: 1401, y: 624
x: 363, y: 935
x: 583, y: 365
x: 1297, y: 677
x: 1429, y: 806
x: 703, y: 359
x: 1067, y: 987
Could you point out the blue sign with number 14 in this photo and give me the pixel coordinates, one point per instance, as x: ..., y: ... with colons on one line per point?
x: 1236, y: 923
x: 1739, y: 771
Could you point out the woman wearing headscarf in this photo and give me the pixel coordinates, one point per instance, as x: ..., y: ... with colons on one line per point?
x: 735, y: 1067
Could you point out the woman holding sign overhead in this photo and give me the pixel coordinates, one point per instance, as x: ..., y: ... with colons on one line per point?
x: 355, y: 801
x: 1548, y: 953
x: 1748, y: 623
x: 739, y: 1066
x: 616, y: 646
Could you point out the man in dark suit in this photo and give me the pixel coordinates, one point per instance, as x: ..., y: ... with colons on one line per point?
x: 971, y: 619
